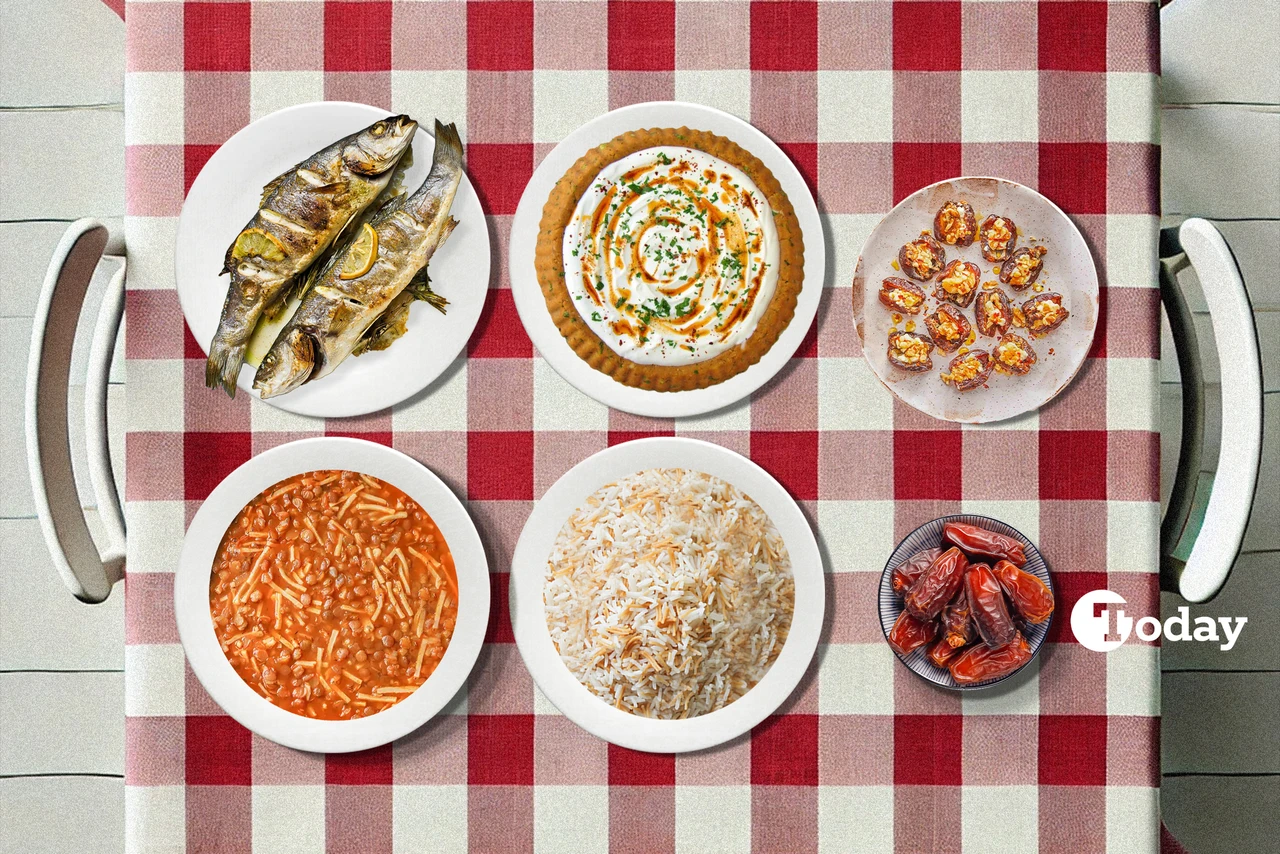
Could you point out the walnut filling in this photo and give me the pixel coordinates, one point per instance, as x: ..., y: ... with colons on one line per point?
x: 1011, y: 353
x: 910, y: 350
x: 920, y: 257
x: 961, y: 281
x: 998, y: 235
x: 1046, y: 314
x: 966, y: 369
x: 1022, y: 269
x: 951, y: 222
x: 994, y: 311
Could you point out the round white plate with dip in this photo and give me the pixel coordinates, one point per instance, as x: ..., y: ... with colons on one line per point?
x: 195, y: 622
x: 225, y: 196
x: 1068, y: 270
x: 575, y: 700
x: 532, y: 306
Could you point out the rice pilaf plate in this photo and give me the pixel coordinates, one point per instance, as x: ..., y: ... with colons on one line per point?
x: 667, y: 594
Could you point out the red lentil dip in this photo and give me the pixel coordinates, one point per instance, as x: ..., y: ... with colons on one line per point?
x: 333, y: 595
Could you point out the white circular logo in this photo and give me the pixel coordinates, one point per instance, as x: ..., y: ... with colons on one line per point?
x: 1091, y: 620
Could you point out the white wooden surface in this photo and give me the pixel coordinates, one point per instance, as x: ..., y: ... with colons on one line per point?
x: 1220, y: 136
x: 1221, y: 61
x: 61, y: 86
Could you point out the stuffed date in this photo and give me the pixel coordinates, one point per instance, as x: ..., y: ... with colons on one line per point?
x: 1023, y: 266
x: 910, y: 351
x: 955, y: 224
x: 922, y: 258
x: 937, y: 586
x: 900, y: 295
x: 909, y: 633
x: 1013, y: 355
x: 979, y: 541
x: 993, y: 313
x: 1030, y: 597
x: 968, y: 371
x: 997, y: 237
x: 958, y: 283
x: 980, y: 663
x: 906, y: 573
x: 948, y: 327
x: 1043, y: 314
x: 987, y: 607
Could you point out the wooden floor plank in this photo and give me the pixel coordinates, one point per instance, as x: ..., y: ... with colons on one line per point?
x: 62, y: 53
x: 1219, y: 161
x: 79, y: 729
x: 1222, y: 815
x: 1219, y: 723
x: 1249, y: 592
x: 61, y: 815
x: 87, y: 147
x: 15, y: 345
x: 1220, y: 50
x: 1254, y: 244
x: 36, y: 606
x: 1263, y: 533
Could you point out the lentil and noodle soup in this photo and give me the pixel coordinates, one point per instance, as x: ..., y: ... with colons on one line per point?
x: 669, y: 593
x: 333, y: 595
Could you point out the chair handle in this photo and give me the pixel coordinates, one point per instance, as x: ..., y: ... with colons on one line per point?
x: 1204, y: 526
x: 87, y: 573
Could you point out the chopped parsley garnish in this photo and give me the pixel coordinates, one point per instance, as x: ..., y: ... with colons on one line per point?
x: 682, y: 307
x: 595, y: 315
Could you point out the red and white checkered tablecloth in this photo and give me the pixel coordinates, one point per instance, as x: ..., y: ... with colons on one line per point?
x: 871, y: 100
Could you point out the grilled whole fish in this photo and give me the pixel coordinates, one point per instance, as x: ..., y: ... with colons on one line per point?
x: 302, y: 212
x: 336, y: 311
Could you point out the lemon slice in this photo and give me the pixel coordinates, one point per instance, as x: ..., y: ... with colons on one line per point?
x: 361, y: 255
x: 255, y: 241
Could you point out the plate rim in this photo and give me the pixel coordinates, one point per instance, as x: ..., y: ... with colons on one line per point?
x: 195, y: 625
x: 1096, y: 296
x: 887, y: 601
x: 331, y: 408
x: 570, y: 696
x: 603, y: 388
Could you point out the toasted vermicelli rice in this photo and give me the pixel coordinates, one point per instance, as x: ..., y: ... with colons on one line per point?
x: 669, y: 593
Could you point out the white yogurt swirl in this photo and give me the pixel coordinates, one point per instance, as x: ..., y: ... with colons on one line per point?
x: 671, y: 256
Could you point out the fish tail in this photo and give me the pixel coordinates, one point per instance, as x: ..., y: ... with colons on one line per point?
x: 223, y: 367
x: 448, y: 154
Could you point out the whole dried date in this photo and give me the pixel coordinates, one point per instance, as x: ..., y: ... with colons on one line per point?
x: 980, y: 541
x: 1030, y: 596
x: 910, y: 634
x: 942, y: 652
x: 986, y: 603
x: 980, y: 663
x: 906, y: 573
x: 937, y: 586
x: 957, y: 621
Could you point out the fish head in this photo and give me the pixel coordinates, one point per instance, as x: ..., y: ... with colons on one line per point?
x: 288, y: 364
x: 380, y: 146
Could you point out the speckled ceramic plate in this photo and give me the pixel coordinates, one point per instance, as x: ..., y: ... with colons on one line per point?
x: 1068, y: 269
x: 928, y: 536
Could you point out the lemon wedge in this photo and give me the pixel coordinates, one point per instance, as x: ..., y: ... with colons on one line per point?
x: 363, y: 252
x: 256, y: 242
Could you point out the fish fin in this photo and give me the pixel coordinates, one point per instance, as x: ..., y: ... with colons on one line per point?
x: 223, y: 367
x: 274, y: 184
x: 420, y: 289
x: 387, y: 327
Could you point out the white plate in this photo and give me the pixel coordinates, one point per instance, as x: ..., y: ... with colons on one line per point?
x: 532, y: 307
x: 226, y: 194
x: 1068, y: 270
x: 195, y: 624
x: 528, y: 617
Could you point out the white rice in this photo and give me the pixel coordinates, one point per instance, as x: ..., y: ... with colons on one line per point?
x: 669, y: 593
